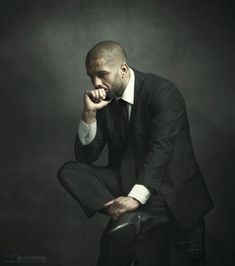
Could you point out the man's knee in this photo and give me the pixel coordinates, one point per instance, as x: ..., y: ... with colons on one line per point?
x: 69, y: 167
x: 63, y: 169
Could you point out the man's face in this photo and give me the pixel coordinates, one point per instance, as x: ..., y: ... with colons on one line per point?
x: 105, y: 76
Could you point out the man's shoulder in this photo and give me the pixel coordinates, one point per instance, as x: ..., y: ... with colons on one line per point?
x: 152, y: 88
x: 152, y: 80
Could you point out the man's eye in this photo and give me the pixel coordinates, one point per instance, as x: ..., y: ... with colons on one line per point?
x: 102, y: 75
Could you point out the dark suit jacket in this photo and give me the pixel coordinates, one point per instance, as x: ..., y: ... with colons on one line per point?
x: 159, y: 144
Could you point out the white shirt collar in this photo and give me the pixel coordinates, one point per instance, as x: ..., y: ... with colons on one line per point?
x: 128, y: 94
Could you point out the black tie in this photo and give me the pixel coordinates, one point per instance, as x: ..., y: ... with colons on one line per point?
x: 127, y: 166
x: 122, y: 118
x: 125, y: 117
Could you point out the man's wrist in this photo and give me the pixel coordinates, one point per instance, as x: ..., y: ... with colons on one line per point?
x: 89, y: 116
x: 136, y: 200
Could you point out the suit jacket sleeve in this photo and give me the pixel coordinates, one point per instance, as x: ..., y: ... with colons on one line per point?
x: 166, y: 111
x: 90, y: 153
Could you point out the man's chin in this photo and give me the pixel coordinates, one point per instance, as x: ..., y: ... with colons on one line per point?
x: 109, y: 94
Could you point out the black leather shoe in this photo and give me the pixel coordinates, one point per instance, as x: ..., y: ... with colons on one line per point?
x: 129, y: 225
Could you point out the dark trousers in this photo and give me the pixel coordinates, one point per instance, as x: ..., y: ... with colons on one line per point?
x: 92, y: 187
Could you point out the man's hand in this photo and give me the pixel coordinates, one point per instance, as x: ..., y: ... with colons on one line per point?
x: 93, y: 101
x: 117, y: 207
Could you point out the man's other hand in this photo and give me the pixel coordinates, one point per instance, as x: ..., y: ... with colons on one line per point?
x: 120, y: 205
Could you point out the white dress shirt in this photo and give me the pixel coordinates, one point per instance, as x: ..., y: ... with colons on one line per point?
x: 87, y: 133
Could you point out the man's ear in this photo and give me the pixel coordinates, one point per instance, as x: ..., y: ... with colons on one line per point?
x: 124, y: 69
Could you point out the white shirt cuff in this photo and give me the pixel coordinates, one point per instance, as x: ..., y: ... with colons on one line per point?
x: 140, y: 192
x: 86, y: 132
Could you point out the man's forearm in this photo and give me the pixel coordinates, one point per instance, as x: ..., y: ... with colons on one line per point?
x: 87, y: 132
x: 89, y: 116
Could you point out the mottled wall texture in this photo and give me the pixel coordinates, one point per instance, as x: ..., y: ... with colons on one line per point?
x: 42, y: 80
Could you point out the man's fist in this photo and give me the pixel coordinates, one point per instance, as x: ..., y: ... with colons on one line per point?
x: 93, y: 101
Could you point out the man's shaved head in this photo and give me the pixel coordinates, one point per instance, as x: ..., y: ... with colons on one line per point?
x: 112, y: 52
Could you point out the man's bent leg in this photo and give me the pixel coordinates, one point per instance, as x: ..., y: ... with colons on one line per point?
x: 91, y: 186
x: 154, y: 247
x: 114, y: 253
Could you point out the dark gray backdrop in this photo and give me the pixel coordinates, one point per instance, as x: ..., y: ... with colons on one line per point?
x: 42, y: 50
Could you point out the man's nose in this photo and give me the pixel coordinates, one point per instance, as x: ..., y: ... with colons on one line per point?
x: 97, y: 82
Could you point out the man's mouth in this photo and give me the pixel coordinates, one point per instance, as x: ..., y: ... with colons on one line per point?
x: 109, y: 94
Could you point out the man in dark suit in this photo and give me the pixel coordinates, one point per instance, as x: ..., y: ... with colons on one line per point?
x: 152, y: 183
